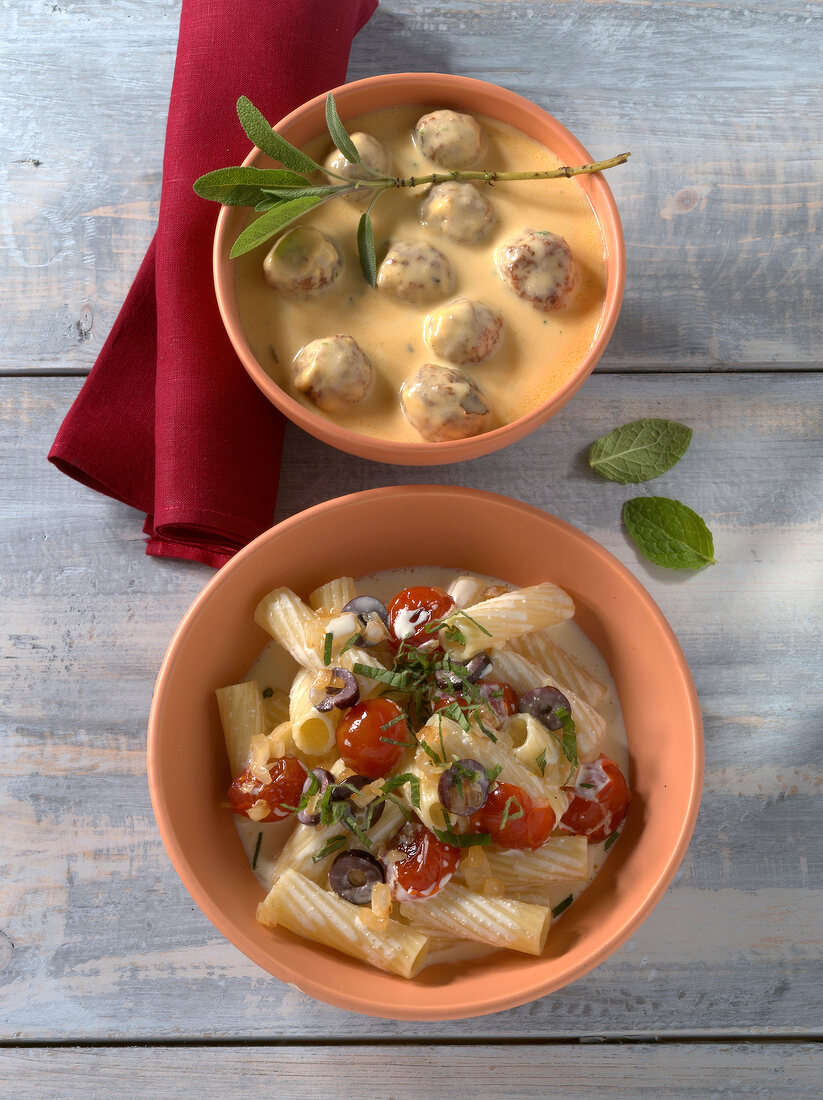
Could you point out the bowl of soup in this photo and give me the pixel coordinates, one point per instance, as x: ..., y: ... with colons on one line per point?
x: 493, y: 300
x: 557, y: 862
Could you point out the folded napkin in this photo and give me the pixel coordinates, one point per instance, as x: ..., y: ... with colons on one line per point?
x: 168, y: 421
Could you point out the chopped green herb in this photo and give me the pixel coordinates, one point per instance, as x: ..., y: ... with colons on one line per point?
x: 393, y: 722
x: 492, y: 773
x: 463, y: 840
x: 541, y: 762
x: 586, y: 786
x: 611, y: 839
x: 256, y: 851
x: 327, y: 644
x: 397, y: 680
x: 350, y: 644
x: 509, y: 814
x: 432, y: 755
x: 392, y: 741
x: 268, y: 692
x: 562, y: 906
x: 399, y: 780
x: 333, y: 844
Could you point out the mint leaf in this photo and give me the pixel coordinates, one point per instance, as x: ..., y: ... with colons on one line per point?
x: 338, y: 132
x: 640, y: 450
x: 241, y: 186
x: 668, y: 533
x: 270, y: 223
x: 267, y: 141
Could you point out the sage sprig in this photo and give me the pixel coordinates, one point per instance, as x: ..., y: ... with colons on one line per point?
x: 282, y: 195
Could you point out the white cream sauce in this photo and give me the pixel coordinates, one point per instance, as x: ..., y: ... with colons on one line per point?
x: 275, y: 668
x: 539, y: 351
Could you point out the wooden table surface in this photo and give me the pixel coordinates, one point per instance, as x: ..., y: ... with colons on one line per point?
x: 110, y: 978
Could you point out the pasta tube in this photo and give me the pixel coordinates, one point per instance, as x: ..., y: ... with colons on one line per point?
x: 313, y: 731
x: 559, y: 666
x: 500, y: 922
x: 241, y: 716
x: 333, y: 596
x: 496, y: 621
x: 561, y: 859
x: 304, y: 908
x: 523, y: 674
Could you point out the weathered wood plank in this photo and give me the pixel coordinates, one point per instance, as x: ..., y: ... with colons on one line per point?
x: 107, y: 944
x: 424, y: 1072
x: 720, y: 104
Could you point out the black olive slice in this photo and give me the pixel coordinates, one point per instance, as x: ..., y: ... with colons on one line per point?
x: 479, y: 666
x: 367, y: 608
x: 342, y: 691
x: 544, y: 703
x: 305, y: 817
x: 363, y: 817
x: 354, y: 875
x: 464, y: 787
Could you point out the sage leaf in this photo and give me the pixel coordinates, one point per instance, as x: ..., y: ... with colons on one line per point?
x: 338, y: 132
x: 310, y: 191
x: 267, y: 141
x: 668, y: 533
x: 242, y: 186
x: 640, y: 450
x: 270, y: 223
x: 365, y: 249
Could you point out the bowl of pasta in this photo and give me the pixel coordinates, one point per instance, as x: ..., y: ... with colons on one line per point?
x: 423, y: 778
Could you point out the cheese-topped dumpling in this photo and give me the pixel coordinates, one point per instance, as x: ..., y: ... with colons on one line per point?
x: 373, y: 154
x: 458, y: 211
x: 443, y: 403
x: 463, y: 331
x: 302, y: 262
x: 415, y: 271
x: 539, y: 267
x: 450, y: 139
x: 334, y: 372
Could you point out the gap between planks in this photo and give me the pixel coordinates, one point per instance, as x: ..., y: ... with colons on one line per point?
x: 686, y: 1039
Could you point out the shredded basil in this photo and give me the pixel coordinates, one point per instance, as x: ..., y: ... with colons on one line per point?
x: 562, y: 906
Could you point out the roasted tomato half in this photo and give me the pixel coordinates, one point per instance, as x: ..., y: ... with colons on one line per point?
x: 599, y: 800
x: 513, y: 818
x: 371, y: 737
x: 427, y: 865
x: 287, y: 778
x: 413, y: 609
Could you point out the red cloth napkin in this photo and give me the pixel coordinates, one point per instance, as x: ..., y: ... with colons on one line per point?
x: 168, y: 421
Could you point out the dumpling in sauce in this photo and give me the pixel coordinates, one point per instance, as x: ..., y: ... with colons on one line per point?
x: 415, y: 271
x: 464, y: 331
x: 443, y: 403
x: 334, y: 372
x: 373, y: 153
x: 458, y: 211
x: 303, y: 262
x: 450, y: 139
x: 539, y: 267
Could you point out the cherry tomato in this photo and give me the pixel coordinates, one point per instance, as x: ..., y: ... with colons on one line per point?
x: 528, y: 829
x: 287, y: 778
x: 599, y: 800
x: 427, y: 865
x: 501, y: 697
x: 443, y: 701
x: 365, y: 744
x: 413, y: 608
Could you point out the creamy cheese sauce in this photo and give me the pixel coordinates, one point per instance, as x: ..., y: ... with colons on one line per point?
x: 275, y: 668
x: 538, y: 351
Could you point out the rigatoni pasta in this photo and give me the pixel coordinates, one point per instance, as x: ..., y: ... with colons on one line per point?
x: 442, y: 788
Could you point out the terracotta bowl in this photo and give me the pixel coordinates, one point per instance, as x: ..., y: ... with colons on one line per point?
x: 218, y: 640
x: 468, y: 95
